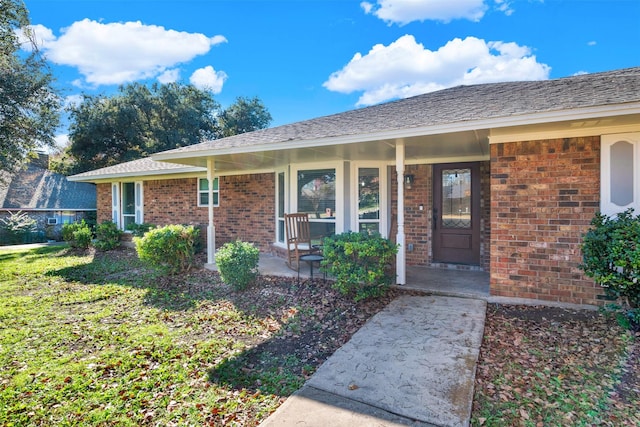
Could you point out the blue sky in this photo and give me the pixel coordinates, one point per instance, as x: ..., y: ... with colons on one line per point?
x: 309, y: 58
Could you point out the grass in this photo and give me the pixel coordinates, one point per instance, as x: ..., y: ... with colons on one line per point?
x: 87, y: 340
x: 98, y: 338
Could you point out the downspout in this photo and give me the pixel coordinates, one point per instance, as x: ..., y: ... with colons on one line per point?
x: 211, y: 228
x: 400, y: 237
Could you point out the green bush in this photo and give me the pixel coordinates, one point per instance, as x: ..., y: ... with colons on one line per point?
x: 171, y: 248
x: 138, y: 230
x: 107, y: 236
x: 77, y: 234
x: 362, y: 264
x: 237, y: 263
x: 611, y: 255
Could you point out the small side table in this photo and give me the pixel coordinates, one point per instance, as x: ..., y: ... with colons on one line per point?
x: 310, y: 258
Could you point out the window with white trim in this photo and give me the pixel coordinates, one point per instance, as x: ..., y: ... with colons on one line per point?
x: 316, y: 195
x: 281, y: 204
x: 203, y: 192
x: 620, y: 173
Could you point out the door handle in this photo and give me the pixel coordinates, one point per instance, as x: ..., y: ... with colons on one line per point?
x: 435, y: 218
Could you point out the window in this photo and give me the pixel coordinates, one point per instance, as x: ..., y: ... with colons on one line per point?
x: 281, y: 204
x: 368, y: 200
x: 203, y: 192
x: 620, y: 173
x: 316, y: 195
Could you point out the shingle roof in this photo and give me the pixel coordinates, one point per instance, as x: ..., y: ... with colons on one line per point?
x: 41, y: 189
x: 454, y: 105
x: 139, y: 167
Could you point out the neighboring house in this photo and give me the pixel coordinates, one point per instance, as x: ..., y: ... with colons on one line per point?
x: 501, y: 177
x: 49, y: 198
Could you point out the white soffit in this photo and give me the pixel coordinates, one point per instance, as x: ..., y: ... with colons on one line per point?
x: 566, y: 129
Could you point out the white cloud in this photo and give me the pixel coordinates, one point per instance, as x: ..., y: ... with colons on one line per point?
x: 169, y: 76
x: 209, y: 79
x: 116, y: 53
x: 406, y: 68
x: 40, y: 34
x: 592, y: 43
x: 504, y: 6
x: 402, y: 12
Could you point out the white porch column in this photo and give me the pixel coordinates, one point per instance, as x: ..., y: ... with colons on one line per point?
x: 211, y: 228
x: 401, y: 261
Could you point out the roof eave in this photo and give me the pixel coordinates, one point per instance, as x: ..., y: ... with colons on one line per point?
x: 498, y: 122
x: 120, y: 175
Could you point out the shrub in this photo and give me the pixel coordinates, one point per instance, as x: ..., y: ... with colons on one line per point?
x: 611, y: 255
x: 17, y: 226
x: 171, y: 248
x: 77, y: 234
x: 237, y: 263
x: 138, y: 230
x: 362, y: 264
x: 107, y: 236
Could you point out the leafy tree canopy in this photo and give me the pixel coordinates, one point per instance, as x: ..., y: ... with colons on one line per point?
x: 141, y: 120
x: 245, y: 115
x: 29, y: 105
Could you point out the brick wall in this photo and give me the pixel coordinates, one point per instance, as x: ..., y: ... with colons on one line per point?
x: 543, y: 197
x: 246, y: 211
x: 103, y: 202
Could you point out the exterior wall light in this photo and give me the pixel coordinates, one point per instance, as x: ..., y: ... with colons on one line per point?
x: 408, y: 181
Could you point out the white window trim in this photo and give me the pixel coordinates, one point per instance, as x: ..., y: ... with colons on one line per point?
x: 293, y: 193
x: 607, y: 141
x: 117, y: 216
x: 287, y: 197
x: 383, y: 221
x: 115, y: 204
x: 200, y: 205
x: 138, y: 195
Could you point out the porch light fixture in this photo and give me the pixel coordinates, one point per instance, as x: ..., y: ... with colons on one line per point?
x: 408, y: 181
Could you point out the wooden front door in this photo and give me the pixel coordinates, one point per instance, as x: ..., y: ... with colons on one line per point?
x: 456, y: 213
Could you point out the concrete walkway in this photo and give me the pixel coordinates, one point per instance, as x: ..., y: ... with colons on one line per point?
x: 413, y: 363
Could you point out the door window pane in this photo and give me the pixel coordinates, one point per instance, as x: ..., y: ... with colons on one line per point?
x: 456, y: 198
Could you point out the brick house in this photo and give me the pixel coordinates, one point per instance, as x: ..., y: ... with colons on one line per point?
x: 48, y: 197
x: 501, y: 177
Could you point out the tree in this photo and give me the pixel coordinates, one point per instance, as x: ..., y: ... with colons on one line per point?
x: 140, y: 120
x: 245, y: 115
x: 29, y: 105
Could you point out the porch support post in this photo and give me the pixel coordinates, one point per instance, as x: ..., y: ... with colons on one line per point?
x: 211, y: 228
x: 400, y: 237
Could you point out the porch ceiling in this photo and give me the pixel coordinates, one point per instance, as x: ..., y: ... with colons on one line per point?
x: 458, y: 146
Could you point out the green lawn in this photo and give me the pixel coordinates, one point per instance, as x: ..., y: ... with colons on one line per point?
x: 99, y: 339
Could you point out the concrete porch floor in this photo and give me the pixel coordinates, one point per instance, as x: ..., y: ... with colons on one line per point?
x: 437, y: 281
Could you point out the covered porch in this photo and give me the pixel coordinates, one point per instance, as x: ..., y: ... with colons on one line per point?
x: 434, y: 280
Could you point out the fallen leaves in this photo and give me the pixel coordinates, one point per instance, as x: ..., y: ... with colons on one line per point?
x: 551, y: 366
